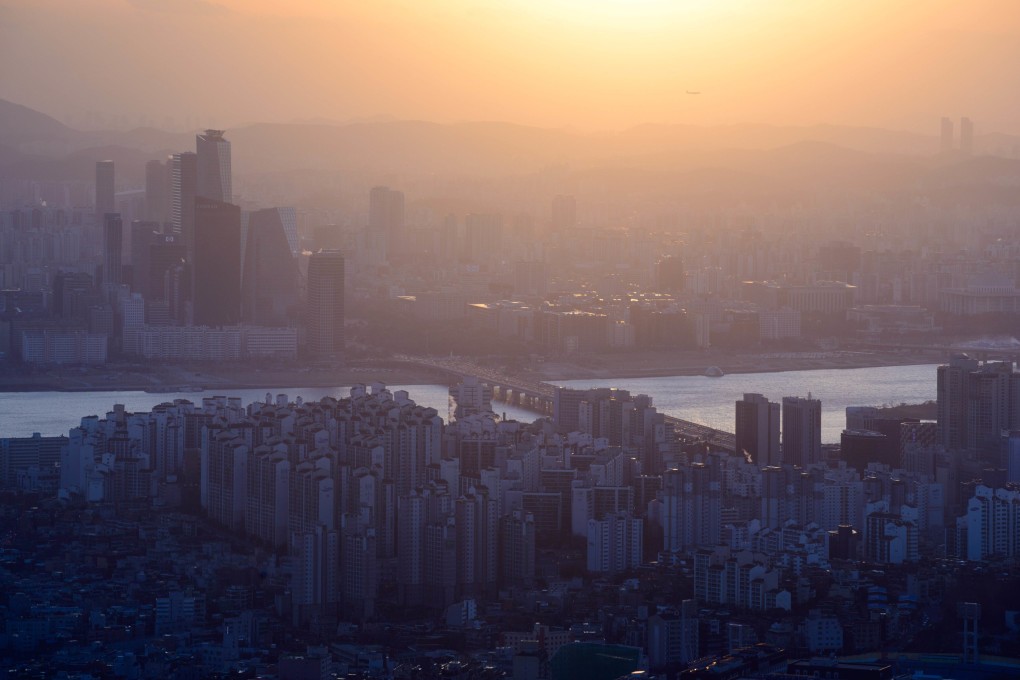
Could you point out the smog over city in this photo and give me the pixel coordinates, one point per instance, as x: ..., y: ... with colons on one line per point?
x: 509, y: 339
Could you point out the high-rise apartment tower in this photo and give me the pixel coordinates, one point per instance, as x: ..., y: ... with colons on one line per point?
x: 326, y: 303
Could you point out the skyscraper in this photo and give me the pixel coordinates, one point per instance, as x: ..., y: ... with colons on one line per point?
x: 214, y: 173
x: 802, y: 430
x: 386, y: 219
x: 143, y: 235
x: 183, y: 188
x: 217, y: 264
x: 757, y: 429
x: 288, y: 218
x: 947, y: 135
x: 952, y: 400
x: 105, y: 202
x: 165, y: 254
x: 113, y: 242
x: 966, y: 136
x: 326, y: 303
x: 269, y: 286
x: 976, y: 404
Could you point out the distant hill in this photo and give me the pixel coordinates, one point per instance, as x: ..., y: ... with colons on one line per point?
x: 731, y: 162
x: 26, y: 129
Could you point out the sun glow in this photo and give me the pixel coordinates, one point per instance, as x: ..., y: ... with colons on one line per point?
x: 631, y: 13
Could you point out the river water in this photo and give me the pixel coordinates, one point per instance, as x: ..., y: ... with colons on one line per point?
x: 703, y: 400
x: 710, y: 401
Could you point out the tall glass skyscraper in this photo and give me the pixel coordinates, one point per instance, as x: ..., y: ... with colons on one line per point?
x: 214, y: 175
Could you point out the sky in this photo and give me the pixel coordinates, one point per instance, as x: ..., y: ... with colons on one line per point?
x: 577, y: 64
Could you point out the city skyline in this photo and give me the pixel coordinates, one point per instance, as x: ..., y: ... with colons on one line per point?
x: 699, y: 318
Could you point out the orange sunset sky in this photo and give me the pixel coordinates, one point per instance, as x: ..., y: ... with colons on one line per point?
x: 584, y: 64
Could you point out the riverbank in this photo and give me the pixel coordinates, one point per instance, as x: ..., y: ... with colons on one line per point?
x: 670, y: 364
x: 211, y: 377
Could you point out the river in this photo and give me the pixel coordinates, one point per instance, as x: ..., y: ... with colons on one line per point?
x: 703, y: 400
x: 710, y: 401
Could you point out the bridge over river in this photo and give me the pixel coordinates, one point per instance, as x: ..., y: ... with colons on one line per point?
x: 538, y: 397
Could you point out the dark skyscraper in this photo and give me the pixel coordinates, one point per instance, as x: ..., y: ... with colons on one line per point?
x: 326, y: 303
x: 157, y: 200
x: 183, y: 187
x: 269, y: 286
x: 214, y: 179
x: 953, y: 380
x: 976, y: 404
x: 169, y: 281
x: 802, y: 430
x: 143, y: 235
x: 113, y: 243
x: 217, y: 263
x: 386, y: 218
x: 105, y: 202
x: 757, y: 429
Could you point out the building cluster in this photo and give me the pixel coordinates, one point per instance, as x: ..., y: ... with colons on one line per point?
x: 568, y: 275
x: 365, y: 506
x: 611, y: 290
x: 192, y: 276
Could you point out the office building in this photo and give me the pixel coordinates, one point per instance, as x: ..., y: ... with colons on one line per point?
x: 213, y: 178
x: 105, y: 202
x: 165, y: 271
x: 113, y: 243
x: 217, y: 263
x: 269, y: 285
x: 183, y: 188
x: 802, y: 430
x: 288, y: 217
x: 325, y: 308
x: 757, y: 430
x: 143, y: 235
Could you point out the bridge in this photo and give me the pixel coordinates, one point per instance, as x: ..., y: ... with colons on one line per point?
x: 539, y: 397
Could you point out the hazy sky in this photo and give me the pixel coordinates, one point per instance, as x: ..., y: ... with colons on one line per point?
x: 589, y: 64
